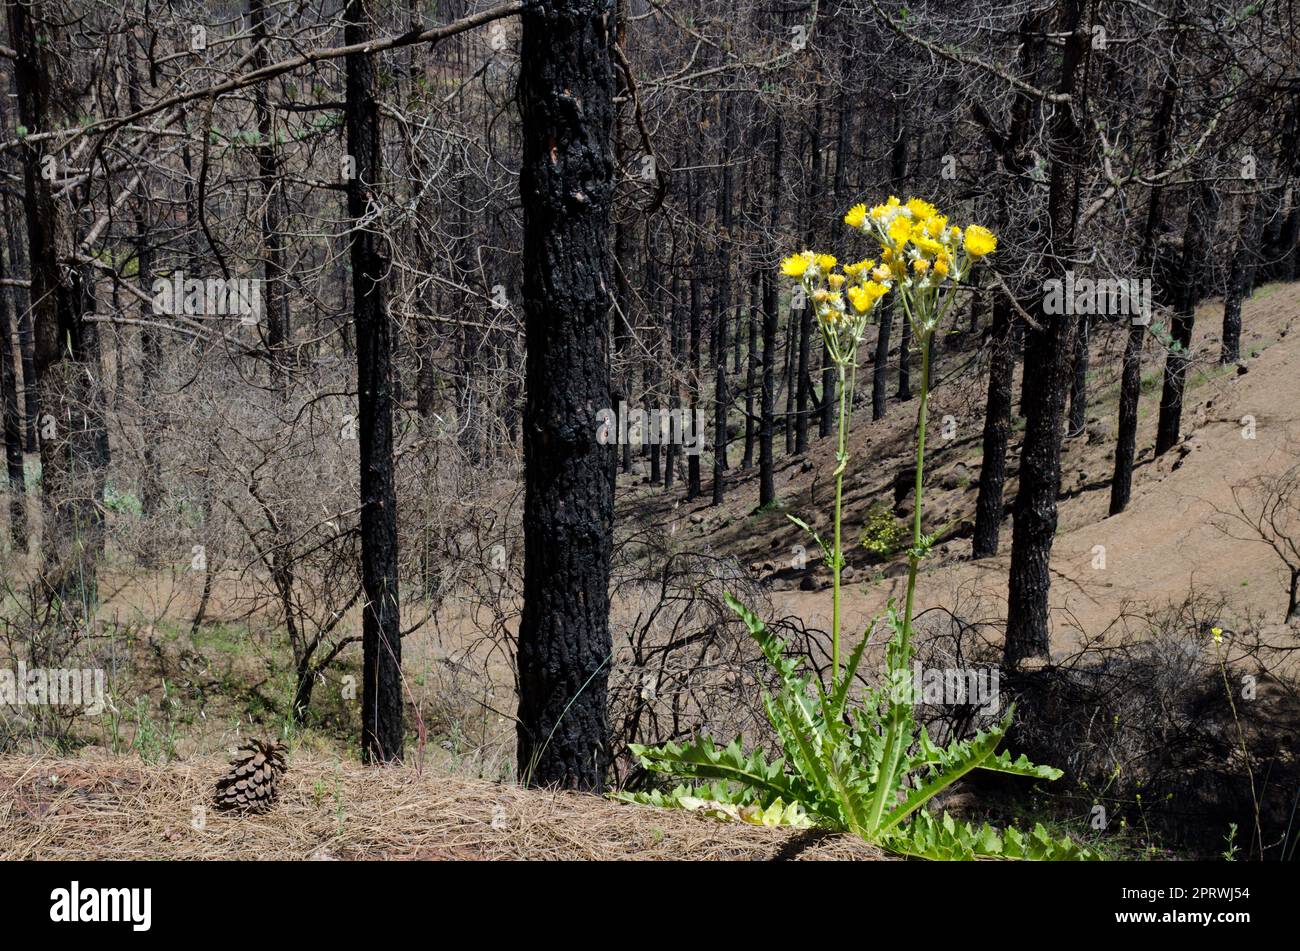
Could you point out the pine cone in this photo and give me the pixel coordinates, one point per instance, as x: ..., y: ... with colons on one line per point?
x: 250, y: 785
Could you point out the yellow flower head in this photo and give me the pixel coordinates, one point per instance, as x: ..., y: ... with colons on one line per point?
x: 1217, y: 634
x: 880, y: 212
x: 864, y: 297
x: 980, y: 241
x: 941, y: 267
x: 856, y: 216
x: 796, y: 264
x: 825, y: 262
x: 836, y: 281
x: 900, y: 230
x: 853, y: 270
x: 928, y: 245
x: 935, y: 224
x: 859, y: 299
x: 921, y: 209
x: 920, y: 265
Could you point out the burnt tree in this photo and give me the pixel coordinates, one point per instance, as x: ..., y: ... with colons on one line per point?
x: 566, y: 186
x: 381, y: 643
x: 1047, y: 363
x: 1200, y: 218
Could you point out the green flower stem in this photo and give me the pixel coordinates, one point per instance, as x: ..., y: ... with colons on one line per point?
x: 900, y: 711
x: 841, y: 463
x: 914, y: 558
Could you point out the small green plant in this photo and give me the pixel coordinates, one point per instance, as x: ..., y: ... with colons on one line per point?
x: 866, y: 767
x: 882, y: 534
x: 1230, y: 849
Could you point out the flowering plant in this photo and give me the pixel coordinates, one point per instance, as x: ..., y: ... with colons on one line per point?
x: 869, y: 768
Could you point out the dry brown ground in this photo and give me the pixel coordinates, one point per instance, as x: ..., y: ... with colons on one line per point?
x: 101, y: 807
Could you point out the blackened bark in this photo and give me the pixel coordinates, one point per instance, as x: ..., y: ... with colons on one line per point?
x: 1195, y: 239
x: 1130, y: 389
x: 771, y: 326
x: 722, y: 305
x: 803, y: 372
x: 26, y: 339
x: 751, y: 367
x: 693, y: 378
x: 1238, y: 280
x: 382, y: 731
x: 885, y: 318
x: 13, y: 420
x: 1293, y: 602
x: 73, y: 446
x: 1288, y: 249
x: 151, y: 359
x: 880, y: 369
x: 566, y: 185
x: 802, y: 380
x: 275, y: 299
x: 151, y: 368
x: 1047, y: 365
x: 997, y: 431
x: 904, y: 359
x: 767, y: 410
x: 1230, y: 352
x: 791, y: 355
x: 621, y: 382
x: 653, y: 366
x: 1079, y: 382
x: 673, y: 450
x: 843, y: 127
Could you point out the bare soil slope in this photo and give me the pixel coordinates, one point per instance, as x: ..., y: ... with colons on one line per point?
x: 1165, y: 545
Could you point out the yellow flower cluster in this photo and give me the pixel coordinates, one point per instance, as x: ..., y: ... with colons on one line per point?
x: 920, y: 253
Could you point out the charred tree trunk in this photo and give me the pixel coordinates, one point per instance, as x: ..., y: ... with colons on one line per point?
x: 151, y: 368
x: 73, y: 442
x: 13, y: 420
x: 275, y: 306
x: 622, y: 388
x: 673, y: 449
x: 904, y: 360
x: 26, y: 340
x: 1130, y: 389
x: 1195, y: 238
x: 771, y: 326
x: 693, y: 378
x: 791, y: 356
x: 766, y: 434
x: 1079, y: 382
x: 751, y: 368
x: 1238, y: 281
x: 1047, y: 365
x: 654, y: 365
x: 880, y: 369
x: 722, y: 306
x: 803, y: 383
x: 803, y: 371
x: 997, y: 431
x: 566, y: 184
x: 382, y: 731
